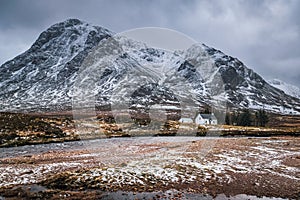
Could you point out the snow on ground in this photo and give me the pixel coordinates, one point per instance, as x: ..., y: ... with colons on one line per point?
x: 28, y: 174
x: 165, y: 168
x: 149, y: 161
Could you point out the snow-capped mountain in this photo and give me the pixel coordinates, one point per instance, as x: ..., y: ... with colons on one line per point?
x: 44, y: 77
x: 289, y: 89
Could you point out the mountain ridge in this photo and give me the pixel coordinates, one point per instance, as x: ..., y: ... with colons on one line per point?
x: 289, y: 89
x: 43, y: 76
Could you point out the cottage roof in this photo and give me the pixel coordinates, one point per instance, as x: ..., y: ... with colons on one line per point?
x: 208, y: 116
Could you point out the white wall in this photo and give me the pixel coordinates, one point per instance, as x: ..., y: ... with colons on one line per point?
x: 200, y: 121
x: 214, y: 122
x: 186, y: 120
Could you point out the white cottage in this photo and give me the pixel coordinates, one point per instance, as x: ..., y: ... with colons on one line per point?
x: 185, y: 120
x: 203, y: 119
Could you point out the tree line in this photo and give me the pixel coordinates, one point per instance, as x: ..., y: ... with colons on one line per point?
x: 246, y: 118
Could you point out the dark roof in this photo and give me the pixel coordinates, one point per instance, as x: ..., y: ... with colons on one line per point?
x: 208, y: 116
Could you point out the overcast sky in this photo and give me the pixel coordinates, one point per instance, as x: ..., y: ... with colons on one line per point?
x: 265, y: 35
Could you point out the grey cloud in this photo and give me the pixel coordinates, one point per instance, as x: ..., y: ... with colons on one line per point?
x: 263, y: 34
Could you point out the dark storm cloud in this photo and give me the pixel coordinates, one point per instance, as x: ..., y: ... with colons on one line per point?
x: 264, y: 34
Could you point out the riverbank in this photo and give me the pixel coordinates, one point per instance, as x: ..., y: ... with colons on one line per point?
x: 27, y: 129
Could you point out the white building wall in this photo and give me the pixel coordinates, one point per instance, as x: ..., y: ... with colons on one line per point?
x: 186, y: 120
x: 199, y: 120
x: 214, y: 122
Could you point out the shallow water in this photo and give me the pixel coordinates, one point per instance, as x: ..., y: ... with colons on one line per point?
x: 167, y: 195
x: 38, y: 149
x: 78, y: 145
x: 120, y: 195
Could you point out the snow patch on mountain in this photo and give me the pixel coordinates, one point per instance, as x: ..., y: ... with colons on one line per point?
x: 289, y: 89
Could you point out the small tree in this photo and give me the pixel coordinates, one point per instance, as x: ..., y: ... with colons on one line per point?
x: 227, y: 119
x: 261, y: 118
x: 234, y: 118
x: 244, y: 118
x: 256, y: 119
x: 207, y: 110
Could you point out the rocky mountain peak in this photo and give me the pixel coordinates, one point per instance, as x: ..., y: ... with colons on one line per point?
x: 42, y: 77
x: 49, y: 66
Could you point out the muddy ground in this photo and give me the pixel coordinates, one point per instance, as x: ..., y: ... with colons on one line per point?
x: 153, y: 168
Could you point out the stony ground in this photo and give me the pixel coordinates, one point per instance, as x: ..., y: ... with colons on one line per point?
x: 154, y: 166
